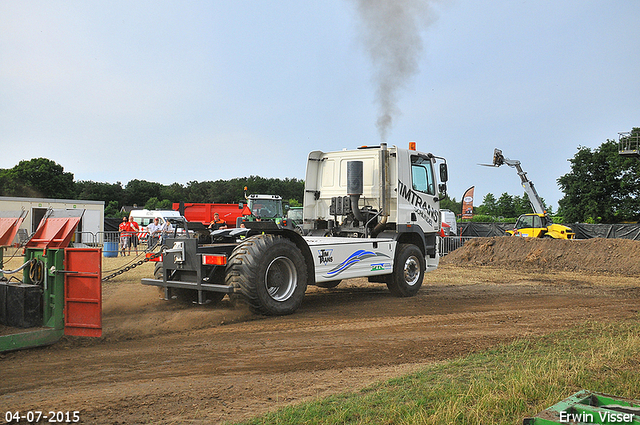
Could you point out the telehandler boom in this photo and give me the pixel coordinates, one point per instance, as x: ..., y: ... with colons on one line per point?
x: 538, y: 224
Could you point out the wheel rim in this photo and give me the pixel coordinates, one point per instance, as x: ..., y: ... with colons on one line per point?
x: 281, y: 278
x: 411, y: 271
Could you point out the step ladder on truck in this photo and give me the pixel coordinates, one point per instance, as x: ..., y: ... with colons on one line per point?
x: 369, y: 212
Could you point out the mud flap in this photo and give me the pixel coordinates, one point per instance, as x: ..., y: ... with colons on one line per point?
x: 83, y: 292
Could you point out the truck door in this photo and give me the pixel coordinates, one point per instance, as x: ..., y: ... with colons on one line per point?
x: 526, y: 226
x: 538, y: 226
x: 417, y: 203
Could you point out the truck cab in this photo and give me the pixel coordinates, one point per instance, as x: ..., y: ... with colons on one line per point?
x: 376, y: 192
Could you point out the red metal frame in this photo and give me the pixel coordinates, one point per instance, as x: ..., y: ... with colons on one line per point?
x: 8, y: 229
x: 54, y: 233
x: 83, y: 292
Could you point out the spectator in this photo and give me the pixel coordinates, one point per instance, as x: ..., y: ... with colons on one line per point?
x: 125, y: 236
x: 217, y: 223
x: 154, y: 229
x: 135, y: 229
x: 167, y: 229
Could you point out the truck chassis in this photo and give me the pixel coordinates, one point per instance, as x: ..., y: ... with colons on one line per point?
x: 370, y: 212
x: 272, y: 270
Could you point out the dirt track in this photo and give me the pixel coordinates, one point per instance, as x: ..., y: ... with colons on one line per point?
x: 169, y: 363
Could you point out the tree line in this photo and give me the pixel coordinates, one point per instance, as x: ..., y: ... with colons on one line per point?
x: 43, y: 178
x: 602, y: 187
x: 505, y: 208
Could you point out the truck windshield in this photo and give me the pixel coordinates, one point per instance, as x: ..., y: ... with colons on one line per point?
x: 422, y: 175
x: 295, y: 214
x: 265, y: 208
x: 525, y: 222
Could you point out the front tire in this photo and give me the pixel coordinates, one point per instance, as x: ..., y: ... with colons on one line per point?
x: 269, y: 272
x: 408, y: 271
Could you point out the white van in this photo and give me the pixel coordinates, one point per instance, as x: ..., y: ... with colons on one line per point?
x: 449, y: 217
x: 144, y: 217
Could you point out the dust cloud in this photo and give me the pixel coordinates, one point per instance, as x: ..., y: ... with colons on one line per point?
x: 133, y: 310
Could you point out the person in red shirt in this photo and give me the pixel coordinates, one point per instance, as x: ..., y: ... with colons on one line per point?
x: 125, y: 236
x: 134, y: 228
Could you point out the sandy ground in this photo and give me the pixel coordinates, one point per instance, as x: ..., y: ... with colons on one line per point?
x: 170, y: 363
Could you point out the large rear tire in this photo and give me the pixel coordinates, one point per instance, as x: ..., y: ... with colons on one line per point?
x: 408, y: 271
x: 157, y: 271
x: 269, y: 272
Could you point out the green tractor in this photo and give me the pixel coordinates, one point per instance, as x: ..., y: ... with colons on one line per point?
x: 262, y: 208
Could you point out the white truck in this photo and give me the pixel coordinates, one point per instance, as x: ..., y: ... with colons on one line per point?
x: 370, y: 212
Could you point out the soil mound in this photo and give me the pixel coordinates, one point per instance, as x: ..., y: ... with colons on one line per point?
x: 614, y: 256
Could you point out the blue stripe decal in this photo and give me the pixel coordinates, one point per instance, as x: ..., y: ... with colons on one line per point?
x: 354, y: 258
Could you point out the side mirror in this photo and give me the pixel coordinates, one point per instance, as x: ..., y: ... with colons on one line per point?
x: 444, y: 173
x: 443, y: 189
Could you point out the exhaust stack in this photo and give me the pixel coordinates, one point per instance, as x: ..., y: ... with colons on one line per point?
x: 355, y: 186
x: 384, y: 198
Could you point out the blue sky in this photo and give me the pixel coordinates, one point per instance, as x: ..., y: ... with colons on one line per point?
x: 171, y: 91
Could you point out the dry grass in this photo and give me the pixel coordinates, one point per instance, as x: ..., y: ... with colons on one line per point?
x: 498, y: 386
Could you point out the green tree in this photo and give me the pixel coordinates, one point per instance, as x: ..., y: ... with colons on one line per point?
x: 41, y: 177
x: 521, y: 205
x: 155, y: 204
x: 138, y: 192
x: 602, y: 186
x: 113, y: 210
x: 447, y: 203
x: 505, y: 206
x: 174, y: 192
x: 94, y: 191
x: 37, y: 177
x: 489, y: 205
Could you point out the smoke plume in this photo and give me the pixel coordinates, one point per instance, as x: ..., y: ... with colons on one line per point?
x: 391, y: 31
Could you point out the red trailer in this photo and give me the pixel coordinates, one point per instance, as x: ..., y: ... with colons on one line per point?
x: 203, y: 212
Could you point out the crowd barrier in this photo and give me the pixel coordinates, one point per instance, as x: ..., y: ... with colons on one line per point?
x: 451, y: 243
x: 110, y: 240
x: 100, y: 239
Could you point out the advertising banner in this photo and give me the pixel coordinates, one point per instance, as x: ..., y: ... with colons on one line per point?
x: 467, y: 204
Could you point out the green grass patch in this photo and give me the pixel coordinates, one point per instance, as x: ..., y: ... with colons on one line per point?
x: 498, y: 386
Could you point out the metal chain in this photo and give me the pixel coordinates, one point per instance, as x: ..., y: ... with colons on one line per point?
x: 132, y: 266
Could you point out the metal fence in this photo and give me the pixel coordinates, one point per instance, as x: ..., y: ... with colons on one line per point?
x: 99, y: 239
x: 451, y: 243
x: 629, y: 143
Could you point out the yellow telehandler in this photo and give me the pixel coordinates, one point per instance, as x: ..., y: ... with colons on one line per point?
x: 537, y: 224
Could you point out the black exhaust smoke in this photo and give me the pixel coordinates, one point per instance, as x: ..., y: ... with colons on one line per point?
x: 391, y: 32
